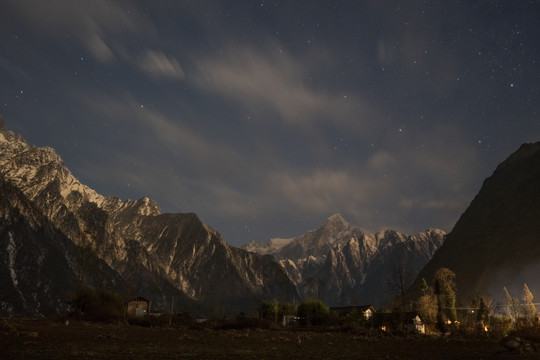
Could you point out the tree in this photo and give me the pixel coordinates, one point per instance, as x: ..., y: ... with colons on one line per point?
x: 266, y: 310
x: 446, y: 277
x: 287, y: 309
x: 483, y: 312
x: 427, y: 303
x: 445, y: 292
x: 450, y: 303
x: 424, y: 286
x: 399, y: 283
x: 427, y: 307
x: 511, y: 305
x: 315, y: 312
x: 529, y: 310
x: 441, y: 323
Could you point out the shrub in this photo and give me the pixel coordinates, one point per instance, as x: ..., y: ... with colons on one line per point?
x: 267, y: 310
x: 314, y: 311
x: 501, y: 326
x: 98, y: 304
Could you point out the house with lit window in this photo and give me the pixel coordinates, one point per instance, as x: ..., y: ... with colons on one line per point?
x: 366, y: 311
x: 409, y: 322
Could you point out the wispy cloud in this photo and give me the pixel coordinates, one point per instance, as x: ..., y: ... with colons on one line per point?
x: 153, y: 126
x: 98, y: 47
x: 14, y: 70
x: 381, y: 161
x: 160, y: 66
x: 231, y: 180
x: 322, y: 191
x: 99, y: 25
x: 271, y: 80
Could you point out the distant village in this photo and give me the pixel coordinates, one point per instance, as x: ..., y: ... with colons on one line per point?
x: 434, y: 313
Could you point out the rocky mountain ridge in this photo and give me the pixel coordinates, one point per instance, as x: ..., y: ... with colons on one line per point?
x: 343, y: 265
x: 130, y: 246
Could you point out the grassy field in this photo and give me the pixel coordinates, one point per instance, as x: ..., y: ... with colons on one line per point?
x: 51, y: 339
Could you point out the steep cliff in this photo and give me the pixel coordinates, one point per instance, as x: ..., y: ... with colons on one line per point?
x: 496, y: 241
x: 129, y: 246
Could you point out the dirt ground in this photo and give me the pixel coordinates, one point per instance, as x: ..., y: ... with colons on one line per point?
x: 53, y: 339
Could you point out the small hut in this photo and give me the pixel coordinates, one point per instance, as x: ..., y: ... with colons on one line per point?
x: 414, y: 323
x: 138, y: 307
x: 366, y: 311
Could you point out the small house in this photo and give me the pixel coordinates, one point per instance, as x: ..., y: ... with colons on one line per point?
x: 366, y: 311
x: 409, y: 322
x: 291, y: 320
x: 138, y: 307
x: 414, y: 323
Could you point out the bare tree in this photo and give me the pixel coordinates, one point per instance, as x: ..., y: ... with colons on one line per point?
x: 529, y: 309
x: 399, y: 283
x: 511, y: 305
x: 427, y: 307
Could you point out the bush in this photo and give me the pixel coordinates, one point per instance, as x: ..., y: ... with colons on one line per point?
x: 501, y: 326
x: 314, y: 311
x: 98, y: 304
x: 267, y: 310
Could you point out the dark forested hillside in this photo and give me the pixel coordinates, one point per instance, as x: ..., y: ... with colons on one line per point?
x: 496, y: 242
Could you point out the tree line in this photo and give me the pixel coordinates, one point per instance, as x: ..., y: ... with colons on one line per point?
x: 437, y: 307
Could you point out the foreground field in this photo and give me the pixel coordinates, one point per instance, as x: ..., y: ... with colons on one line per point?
x: 42, y: 339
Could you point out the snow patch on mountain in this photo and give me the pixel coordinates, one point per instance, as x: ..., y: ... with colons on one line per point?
x: 272, y: 246
x: 12, y: 256
x: 342, y: 259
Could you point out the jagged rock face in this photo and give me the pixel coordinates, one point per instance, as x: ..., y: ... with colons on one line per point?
x: 21, y: 241
x: 318, y: 242
x: 136, y: 249
x: 495, y: 241
x: 342, y: 265
x: 272, y: 246
x: 359, y: 271
x: 39, y: 266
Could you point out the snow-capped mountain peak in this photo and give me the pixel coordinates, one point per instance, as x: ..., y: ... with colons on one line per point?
x: 60, y: 234
x: 348, y: 261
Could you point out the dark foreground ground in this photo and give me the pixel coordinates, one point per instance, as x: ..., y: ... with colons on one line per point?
x: 48, y: 339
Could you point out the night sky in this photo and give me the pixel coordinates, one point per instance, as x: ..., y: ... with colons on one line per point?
x: 266, y: 117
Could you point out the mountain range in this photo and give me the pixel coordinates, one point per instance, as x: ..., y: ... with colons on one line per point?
x: 57, y: 235
x: 342, y: 265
